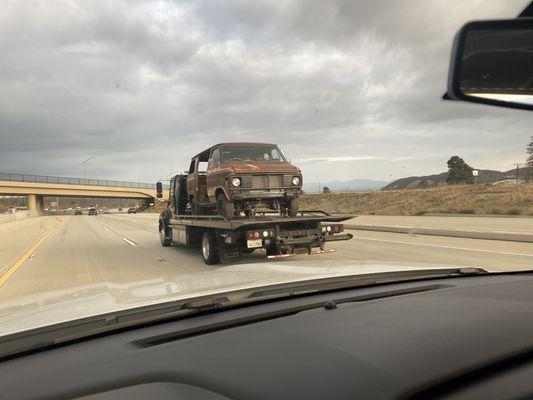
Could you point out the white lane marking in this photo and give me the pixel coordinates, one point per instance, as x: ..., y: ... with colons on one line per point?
x: 447, y: 247
x: 129, y: 242
x: 106, y: 228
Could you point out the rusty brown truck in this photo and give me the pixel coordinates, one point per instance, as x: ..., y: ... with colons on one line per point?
x: 235, y: 178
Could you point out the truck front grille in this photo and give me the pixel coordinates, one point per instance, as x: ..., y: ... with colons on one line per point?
x: 266, y: 181
x: 259, y: 181
x: 263, y: 181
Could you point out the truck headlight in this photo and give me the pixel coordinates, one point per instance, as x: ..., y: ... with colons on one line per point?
x: 296, y: 180
x: 236, y: 182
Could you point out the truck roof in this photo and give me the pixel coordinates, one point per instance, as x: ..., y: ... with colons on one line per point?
x: 233, y: 144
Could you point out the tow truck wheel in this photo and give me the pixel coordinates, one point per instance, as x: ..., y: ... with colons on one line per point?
x: 165, y: 241
x: 209, y: 248
x: 225, y: 207
x: 293, y: 207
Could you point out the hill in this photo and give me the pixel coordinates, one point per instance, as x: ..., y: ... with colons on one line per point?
x: 353, y: 185
x: 466, y: 199
x: 429, y: 181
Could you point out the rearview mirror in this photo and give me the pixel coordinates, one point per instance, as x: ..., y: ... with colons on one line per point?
x: 492, y: 63
x: 159, y: 190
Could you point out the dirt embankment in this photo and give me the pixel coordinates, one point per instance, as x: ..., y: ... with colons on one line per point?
x: 467, y: 199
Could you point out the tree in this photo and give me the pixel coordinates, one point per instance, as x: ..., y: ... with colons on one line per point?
x: 326, y: 190
x: 459, y: 171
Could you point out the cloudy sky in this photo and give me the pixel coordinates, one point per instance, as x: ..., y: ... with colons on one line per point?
x: 348, y: 88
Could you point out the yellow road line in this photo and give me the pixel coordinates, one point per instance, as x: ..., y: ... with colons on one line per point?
x: 21, y: 260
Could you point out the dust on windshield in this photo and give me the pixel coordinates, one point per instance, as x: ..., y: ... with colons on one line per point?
x: 251, y: 153
x: 115, y: 120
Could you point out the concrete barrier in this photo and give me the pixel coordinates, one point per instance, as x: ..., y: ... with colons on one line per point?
x: 13, y: 217
x: 460, y: 233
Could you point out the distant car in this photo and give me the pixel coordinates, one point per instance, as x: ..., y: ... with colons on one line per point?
x: 93, y: 211
x: 132, y: 210
x: 77, y: 212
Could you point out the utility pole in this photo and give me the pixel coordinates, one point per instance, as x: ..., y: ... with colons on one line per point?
x: 85, y: 167
x: 517, y: 170
x: 318, y: 187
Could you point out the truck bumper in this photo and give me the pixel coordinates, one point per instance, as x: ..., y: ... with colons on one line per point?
x: 249, y: 194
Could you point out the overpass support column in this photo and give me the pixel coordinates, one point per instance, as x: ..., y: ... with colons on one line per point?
x: 35, y: 205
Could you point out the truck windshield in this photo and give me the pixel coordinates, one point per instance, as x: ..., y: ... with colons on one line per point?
x: 251, y: 153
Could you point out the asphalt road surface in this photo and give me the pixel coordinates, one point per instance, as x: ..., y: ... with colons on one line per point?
x: 51, y: 253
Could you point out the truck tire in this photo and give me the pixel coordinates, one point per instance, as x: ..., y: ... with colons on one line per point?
x: 293, y: 207
x: 225, y: 207
x: 209, y: 248
x: 165, y: 241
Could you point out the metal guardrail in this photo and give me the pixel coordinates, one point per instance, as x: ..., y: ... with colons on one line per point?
x: 73, y: 181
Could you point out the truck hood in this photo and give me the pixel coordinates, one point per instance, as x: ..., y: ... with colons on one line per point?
x: 260, y: 167
x: 43, y: 309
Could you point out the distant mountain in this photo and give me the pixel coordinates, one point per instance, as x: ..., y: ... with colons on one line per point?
x: 429, y: 181
x: 354, y: 185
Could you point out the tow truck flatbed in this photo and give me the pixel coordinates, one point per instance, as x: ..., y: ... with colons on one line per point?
x: 219, y: 222
x: 279, y: 236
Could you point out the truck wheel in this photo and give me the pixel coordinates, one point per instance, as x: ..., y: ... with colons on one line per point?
x: 225, y: 207
x: 209, y: 248
x: 165, y: 241
x: 294, y: 206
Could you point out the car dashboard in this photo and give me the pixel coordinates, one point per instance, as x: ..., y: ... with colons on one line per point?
x: 464, y: 337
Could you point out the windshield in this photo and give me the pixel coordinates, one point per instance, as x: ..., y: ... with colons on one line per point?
x: 101, y: 101
x: 251, y: 153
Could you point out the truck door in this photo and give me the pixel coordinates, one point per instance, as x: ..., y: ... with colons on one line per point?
x: 192, y: 179
x: 213, y: 174
x: 172, y: 198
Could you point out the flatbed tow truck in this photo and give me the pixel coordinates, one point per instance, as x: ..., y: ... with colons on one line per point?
x: 220, y: 238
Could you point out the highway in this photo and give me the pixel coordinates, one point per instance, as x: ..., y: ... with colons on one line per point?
x: 57, y: 252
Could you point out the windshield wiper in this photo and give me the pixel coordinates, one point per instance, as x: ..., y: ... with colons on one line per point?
x: 210, y: 303
x: 352, y: 281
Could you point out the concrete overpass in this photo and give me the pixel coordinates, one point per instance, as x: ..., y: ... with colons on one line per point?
x: 35, y: 187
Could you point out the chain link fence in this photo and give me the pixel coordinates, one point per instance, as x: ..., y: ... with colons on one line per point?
x: 73, y: 181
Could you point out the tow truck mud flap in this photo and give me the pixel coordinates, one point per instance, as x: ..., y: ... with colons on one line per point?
x: 315, y: 252
x: 283, y: 255
x: 311, y: 253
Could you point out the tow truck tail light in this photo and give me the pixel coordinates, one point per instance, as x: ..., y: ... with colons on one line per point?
x: 267, y: 233
x: 337, y: 228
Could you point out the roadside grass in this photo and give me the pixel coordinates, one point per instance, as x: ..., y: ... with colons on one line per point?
x: 457, y: 199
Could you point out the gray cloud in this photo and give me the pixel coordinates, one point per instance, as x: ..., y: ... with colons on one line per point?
x: 347, y: 88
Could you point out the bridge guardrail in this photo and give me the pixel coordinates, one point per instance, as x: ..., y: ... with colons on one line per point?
x: 73, y: 181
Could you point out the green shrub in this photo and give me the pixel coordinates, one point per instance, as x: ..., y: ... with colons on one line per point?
x: 514, y: 211
x: 467, y: 211
x: 420, y: 212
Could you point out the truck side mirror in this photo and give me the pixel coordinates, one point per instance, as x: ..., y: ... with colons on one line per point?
x: 491, y: 63
x: 159, y: 190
